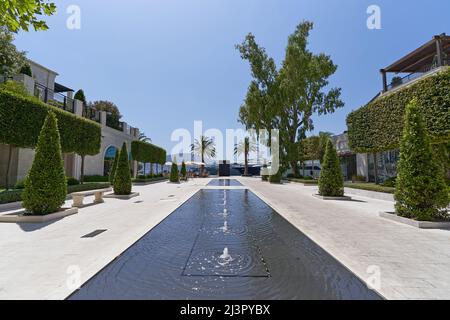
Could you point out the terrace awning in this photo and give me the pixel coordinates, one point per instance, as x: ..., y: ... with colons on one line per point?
x: 424, y: 56
x: 61, y: 88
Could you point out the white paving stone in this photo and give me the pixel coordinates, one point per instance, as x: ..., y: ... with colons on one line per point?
x: 414, y: 263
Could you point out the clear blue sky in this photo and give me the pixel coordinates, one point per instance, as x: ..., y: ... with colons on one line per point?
x: 166, y: 63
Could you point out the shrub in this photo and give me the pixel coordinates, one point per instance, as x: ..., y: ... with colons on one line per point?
x: 26, y: 69
x: 275, y: 178
x: 114, y: 167
x: 79, y: 95
x: 122, y: 177
x: 174, y: 173
x: 331, y: 180
x: 389, y: 182
x: 10, y: 196
x: 378, y: 126
x: 20, y: 184
x: 96, y: 178
x: 72, y: 181
x: 16, y: 87
x: 265, y: 178
x: 22, y: 119
x: 420, y: 191
x: 183, y: 171
x: 369, y: 187
x: 358, y: 178
x: 147, y: 153
x: 45, y: 186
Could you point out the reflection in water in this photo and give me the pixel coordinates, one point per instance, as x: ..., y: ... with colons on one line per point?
x: 260, y: 256
x: 224, y: 183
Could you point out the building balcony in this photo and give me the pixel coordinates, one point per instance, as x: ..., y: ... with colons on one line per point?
x: 422, y: 62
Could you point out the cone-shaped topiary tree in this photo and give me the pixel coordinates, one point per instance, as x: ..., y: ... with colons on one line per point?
x: 122, y: 177
x: 331, y: 180
x: 420, y: 191
x: 183, y: 171
x: 45, y: 186
x: 174, y: 173
x: 114, y: 167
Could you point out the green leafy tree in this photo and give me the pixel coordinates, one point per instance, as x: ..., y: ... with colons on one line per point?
x: 183, y: 171
x: 79, y: 95
x: 114, y: 167
x: 122, y: 176
x: 26, y: 69
x: 331, y: 180
x: 204, y: 148
x: 45, y: 186
x: 420, y: 192
x: 11, y: 59
x: 286, y: 99
x: 174, y: 172
x: 113, y: 110
x: 20, y: 14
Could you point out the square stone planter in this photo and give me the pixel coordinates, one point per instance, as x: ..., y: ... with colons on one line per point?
x: 19, y: 216
x: 344, y: 198
x: 414, y: 223
x: 122, y: 196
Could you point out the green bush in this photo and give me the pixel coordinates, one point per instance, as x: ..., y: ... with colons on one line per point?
x: 304, y: 181
x: 183, y: 171
x: 10, y: 196
x: 112, y: 174
x: 45, y: 186
x: 275, y: 178
x: 378, y: 126
x: 370, y: 187
x: 421, y: 192
x: 87, y: 186
x: 22, y: 119
x: 331, y: 180
x: 20, y: 184
x: 147, y: 153
x: 79, y: 95
x: 72, y: 181
x: 358, y: 178
x: 26, y: 69
x: 390, y: 182
x: 96, y: 178
x: 265, y: 178
x: 174, y: 173
x: 122, y: 177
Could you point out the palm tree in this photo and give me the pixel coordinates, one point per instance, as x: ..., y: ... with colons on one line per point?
x: 205, y: 148
x: 244, y: 147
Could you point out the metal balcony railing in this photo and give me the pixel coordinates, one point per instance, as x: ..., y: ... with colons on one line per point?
x: 55, y: 99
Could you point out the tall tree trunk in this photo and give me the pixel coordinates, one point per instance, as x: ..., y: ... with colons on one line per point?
x: 246, y: 164
x: 294, y: 167
x: 82, y: 169
x: 151, y: 169
x: 8, y: 167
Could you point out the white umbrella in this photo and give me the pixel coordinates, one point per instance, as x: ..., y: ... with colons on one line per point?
x: 168, y: 163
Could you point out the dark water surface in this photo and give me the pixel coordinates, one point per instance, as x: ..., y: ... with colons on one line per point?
x: 185, y: 257
x: 224, y: 183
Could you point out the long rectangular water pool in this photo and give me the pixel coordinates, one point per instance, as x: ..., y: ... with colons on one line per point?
x: 224, y: 244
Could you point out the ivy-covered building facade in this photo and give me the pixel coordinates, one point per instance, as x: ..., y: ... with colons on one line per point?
x: 84, y: 131
x: 375, y: 129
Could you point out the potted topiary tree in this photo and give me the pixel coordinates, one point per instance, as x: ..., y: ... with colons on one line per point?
x: 183, y: 171
x: 275, y: 178
x: 420, y: 189
x: 331, y: 180
x: 122, y: 177
x: 174, y: 173
x: 45, y: 186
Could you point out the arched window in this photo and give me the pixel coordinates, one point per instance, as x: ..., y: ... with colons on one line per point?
x: 109, y: 159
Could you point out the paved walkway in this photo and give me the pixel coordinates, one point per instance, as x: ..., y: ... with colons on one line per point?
x: 413, y: 263
x: 38, y: 261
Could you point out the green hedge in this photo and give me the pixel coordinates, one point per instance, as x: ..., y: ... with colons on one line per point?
x: 378, y: 126
x: 148, y: 153
x: 304, y: 181
x: 370, y: 187
x: 21, y: 120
